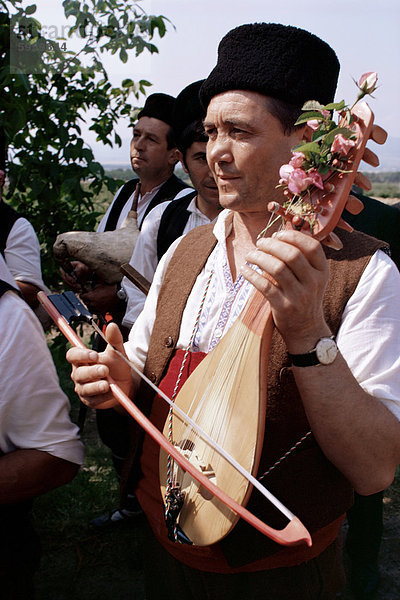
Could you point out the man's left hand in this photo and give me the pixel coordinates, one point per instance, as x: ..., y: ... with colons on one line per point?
x: 294, y: 278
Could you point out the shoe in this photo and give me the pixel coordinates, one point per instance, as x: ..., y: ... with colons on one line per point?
x: 365, y: 582
x: 119, y: 514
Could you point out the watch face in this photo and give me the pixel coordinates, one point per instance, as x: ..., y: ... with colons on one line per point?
x: 326, y: 351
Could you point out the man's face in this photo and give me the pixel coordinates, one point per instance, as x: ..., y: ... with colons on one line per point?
x: 200, y: 174
x: 149, y: 148
x: 246, y: 149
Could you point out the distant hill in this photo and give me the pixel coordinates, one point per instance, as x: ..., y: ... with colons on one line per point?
x: 118, y: 172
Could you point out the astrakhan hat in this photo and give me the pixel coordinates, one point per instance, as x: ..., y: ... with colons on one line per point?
x: 280, y: 61
x: 159, y: 106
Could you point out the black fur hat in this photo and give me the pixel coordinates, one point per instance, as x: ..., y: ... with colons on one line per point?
x: 159, y: 106
x: 280, y: 61
x: 188, y: 108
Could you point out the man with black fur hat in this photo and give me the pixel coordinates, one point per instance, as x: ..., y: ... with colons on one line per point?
x: 167, y: 221
x: 349, y: 399
x: 153, y: 156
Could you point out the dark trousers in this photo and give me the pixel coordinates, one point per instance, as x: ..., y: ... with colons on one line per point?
x: 365, y: 519
x: 168, y: 579
x: 19, y: 557
x: 113, y: 430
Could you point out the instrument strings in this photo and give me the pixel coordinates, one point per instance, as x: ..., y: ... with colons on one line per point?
x: 214, y: 407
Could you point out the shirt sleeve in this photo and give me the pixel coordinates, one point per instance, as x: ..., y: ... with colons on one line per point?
x: 144, y: 259
x: 34, y: 411
x: 369, y: 334
x: 22, y: 254
x: 138, y: 342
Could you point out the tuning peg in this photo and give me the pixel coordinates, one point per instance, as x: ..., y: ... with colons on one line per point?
x: 354, y: 205
x: 344, y: 225
x: 370, y: 158
x: 332, y: 241
x: 378, y: 134
x: 362, y: 181
x: 276, y: 209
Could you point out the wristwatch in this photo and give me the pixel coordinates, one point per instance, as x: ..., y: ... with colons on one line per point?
x: 324, y: 353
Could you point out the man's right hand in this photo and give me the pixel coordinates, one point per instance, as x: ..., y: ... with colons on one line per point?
x: 90, y: 371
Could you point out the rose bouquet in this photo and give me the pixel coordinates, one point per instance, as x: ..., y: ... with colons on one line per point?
x: 314, y: 160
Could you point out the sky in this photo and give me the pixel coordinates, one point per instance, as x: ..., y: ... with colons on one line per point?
x: 364, y: 34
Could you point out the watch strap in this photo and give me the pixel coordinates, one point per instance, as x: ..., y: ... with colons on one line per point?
x: 309, y: 359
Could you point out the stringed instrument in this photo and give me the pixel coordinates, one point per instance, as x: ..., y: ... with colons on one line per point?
x: 226, y: 394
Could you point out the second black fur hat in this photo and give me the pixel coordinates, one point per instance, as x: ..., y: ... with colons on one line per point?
x: 159, y: 106
x: 188, y: 108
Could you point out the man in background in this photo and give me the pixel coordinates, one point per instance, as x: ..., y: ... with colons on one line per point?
x: 20, y: 248
x: 162, y: 226
x: 365, y: 517
x: 153, y: 156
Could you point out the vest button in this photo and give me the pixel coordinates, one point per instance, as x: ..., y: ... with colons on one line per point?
x: 153, y: 377
x: 169, y: 342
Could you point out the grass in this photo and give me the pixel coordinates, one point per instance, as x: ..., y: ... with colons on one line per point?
x: 78, y: 562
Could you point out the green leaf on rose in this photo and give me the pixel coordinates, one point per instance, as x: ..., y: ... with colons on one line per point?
x: 308, y: 116
x: 312, y: 105
x: 324, y: 169
x: 335, y: 105
x: 344, y: 131
x: 308, y: 147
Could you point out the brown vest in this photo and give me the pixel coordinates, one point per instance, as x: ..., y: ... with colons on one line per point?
x: 306, y: 482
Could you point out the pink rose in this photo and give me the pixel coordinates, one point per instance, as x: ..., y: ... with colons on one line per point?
x: 342, y: 145
x: 367, y: 83
x: 316, y: 179
x: 313, y: 124
x: 297, y: 160
x: 284, y: 172
x: 298, y: 181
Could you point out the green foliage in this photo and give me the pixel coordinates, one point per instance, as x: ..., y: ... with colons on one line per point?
x: 48, y: 91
